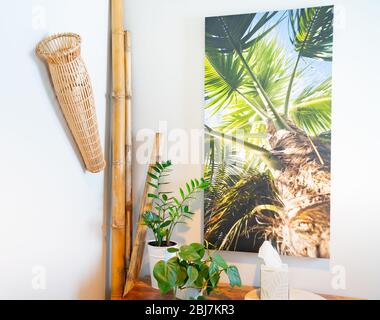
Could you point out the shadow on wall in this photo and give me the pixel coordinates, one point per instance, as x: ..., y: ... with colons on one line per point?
x: 91, y: 287
x: 108, y: 169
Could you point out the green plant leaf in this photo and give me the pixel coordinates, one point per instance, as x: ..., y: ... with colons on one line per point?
x: 164, y: 197
x: 151, y: 217
x: 199, y: 248
x: 188, y: 253
x: 172, y: 266
x: 172, y: 250
x: 233, y: 276
x: 166, y: 275
x: 165, y: 224
x: 172, y: 212
x: 155, y: 168
x: 166, y: 164
x: 203, y: 275
x: 182, y: 193
x: 186, y: 209
x: 204, y: 185
x: 214, y: 274
x: 152, y: 195
x: 153, y: 185
x: 199, y: 282
x: 152, y: 176
x: 160, y: 275
x: 181, y: 276
x: 176, y: 201
x: 192, y: 274
x: 162, y: 233
x: 219, y: 261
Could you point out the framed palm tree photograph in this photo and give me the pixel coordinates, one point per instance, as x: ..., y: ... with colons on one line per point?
x: 268, y: 101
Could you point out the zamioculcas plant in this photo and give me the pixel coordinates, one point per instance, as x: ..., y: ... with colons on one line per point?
x: 167, y: 212
x: 193, y: 267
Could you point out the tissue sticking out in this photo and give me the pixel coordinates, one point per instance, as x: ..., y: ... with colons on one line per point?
x: 270, y: 255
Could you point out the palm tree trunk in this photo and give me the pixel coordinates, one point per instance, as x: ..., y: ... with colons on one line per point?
x: 301, y: 171
x: 303, y: 184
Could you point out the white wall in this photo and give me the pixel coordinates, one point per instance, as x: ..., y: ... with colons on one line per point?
x: 51, y: 210
x: 168, y: 52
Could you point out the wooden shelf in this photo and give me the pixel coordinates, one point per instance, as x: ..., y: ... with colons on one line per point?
x: 143, y: 291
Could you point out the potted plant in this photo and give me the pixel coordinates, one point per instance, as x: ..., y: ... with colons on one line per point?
x: 191, y: 274
x: 167, y: 211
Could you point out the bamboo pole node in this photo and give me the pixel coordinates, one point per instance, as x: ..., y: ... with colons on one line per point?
x: 116, y: 225
x: 73, y: 89
x: 118, y: 162
x: 118, y: 33
x: 118, y: 95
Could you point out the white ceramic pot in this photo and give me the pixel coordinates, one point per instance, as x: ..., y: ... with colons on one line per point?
x: 187, y: 294
x: 156, y: 254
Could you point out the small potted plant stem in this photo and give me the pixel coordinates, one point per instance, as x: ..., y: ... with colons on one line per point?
x: 167, y: 211
x: 194, y: 272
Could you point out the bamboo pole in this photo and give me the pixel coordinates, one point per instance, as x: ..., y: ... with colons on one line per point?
x: 128, y: 141
x: 118, y: 152
x: 139, y: 243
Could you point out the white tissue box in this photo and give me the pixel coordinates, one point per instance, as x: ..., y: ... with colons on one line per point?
x: 274, y: 283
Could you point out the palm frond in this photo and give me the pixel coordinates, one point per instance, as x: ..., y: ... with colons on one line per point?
x: 268, y: 60
x: 224, y: 209
x: 312, y: 31
x: 237, y: 117
x: 312, y: 36
x: 235, y: 34
x: 243, y: 29
x: 244, y: 226
x: 224, y: 78
x: 312, y: 109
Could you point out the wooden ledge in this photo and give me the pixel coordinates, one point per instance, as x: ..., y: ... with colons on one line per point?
x: 143, y: 291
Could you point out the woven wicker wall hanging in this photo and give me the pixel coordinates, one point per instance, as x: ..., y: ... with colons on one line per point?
x: 74, y: 93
